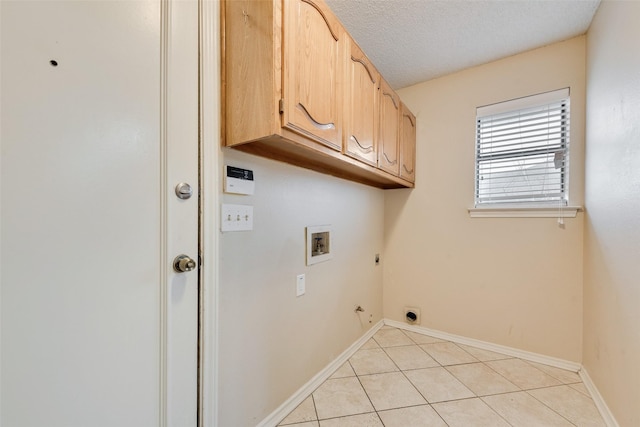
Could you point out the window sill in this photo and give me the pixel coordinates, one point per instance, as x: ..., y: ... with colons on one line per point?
x: 531, y: 212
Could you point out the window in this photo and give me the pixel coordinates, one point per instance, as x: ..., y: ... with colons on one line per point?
x: 522, y: 149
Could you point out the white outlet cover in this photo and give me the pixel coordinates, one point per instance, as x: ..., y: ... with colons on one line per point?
x: 300, y: 285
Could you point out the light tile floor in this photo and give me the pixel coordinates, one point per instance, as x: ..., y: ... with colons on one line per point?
x: 404, y: 379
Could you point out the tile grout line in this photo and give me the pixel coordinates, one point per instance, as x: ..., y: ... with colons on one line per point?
x: 345, y: 416
x: 521, y: 388
x: 440, y: 365
x: 475, y: 396
x: 315, y: 409
x: 547, y: 406
x: 364, y: 389
x: 496, y: 412
x: 362, y: 385
x: 411, y: 382
x: 405, y: 376
x: 507, y: 379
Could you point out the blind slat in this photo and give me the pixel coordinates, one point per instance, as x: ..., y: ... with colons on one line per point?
x: 523, y: 103
x: 528, y: 121
x: 519, y: 154
x: 558, y: 127
x: 521, y: 144
x: 524, y: 113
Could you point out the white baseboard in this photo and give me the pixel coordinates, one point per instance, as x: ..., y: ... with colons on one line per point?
x: 299, y: 396
x: 606, y: 413
x: 510, y: 351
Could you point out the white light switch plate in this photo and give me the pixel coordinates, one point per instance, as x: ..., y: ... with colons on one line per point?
x: 236, y: 218
x: 300, y: 285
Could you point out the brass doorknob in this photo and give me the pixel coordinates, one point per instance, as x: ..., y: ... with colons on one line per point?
x: 183, y: 263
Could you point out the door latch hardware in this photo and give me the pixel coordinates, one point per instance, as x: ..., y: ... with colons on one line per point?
x: 183, y: 263
x: 184, y: 190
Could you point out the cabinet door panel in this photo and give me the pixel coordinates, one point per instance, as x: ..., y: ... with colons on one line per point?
x: 252, y: 80
x: 389, y: 147
x: 361, y: 107
x: 312, y: 71
x: 407, y: 145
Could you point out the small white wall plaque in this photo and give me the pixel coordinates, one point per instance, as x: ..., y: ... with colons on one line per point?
x: 238, y: 181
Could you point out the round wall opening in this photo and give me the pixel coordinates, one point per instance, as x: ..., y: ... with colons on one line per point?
x: 412, y: 315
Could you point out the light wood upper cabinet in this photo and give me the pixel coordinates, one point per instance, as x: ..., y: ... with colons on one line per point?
x: 389, y: 141
x: 407, y: 144
x: 296, y: 89
x: 313, y: 71
x: 361, y: 106
x: 251, y: 70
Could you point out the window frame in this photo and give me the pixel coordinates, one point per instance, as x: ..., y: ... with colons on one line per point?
x: 510, y: 149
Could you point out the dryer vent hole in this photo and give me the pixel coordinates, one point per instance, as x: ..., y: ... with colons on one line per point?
x: 412, y: 315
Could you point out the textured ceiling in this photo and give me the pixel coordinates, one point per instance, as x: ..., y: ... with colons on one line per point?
x: 411, y: 41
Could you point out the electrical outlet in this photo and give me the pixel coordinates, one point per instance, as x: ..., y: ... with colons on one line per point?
x: 300, y: 285
x: 236, y: 218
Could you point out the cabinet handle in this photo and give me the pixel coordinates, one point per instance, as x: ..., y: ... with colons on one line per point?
x: 366, y: 67
x: 326, y: 21
x: 321, y: 126
x: 362, y: 148
x: 395, y: 104
x: 389, y: 160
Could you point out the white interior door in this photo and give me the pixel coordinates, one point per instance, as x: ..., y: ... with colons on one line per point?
x: 99, y: 122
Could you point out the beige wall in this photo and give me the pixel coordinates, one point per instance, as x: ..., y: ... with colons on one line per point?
x: 271, y: 342
x: 511, y: 281
x: 612, y: 224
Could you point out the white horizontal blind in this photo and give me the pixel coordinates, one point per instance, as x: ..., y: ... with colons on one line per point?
x: 522, y: 150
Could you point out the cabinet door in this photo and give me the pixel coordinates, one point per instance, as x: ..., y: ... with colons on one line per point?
x: 407, y: 144
x: 313, y: 71
x: 252, y: 83
x: 361, y: 107
x: 389, y: 147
